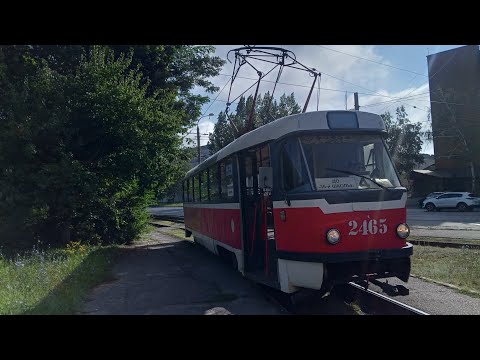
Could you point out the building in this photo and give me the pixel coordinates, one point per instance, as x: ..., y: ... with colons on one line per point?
x: 454, y: 81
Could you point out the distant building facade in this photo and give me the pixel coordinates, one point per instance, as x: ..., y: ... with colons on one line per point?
x: 454, y: 82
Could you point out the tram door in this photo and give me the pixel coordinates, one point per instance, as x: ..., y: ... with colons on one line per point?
x: 256, y: 210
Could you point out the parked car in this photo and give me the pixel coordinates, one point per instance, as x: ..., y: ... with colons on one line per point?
x: 433, y: 194
x: 450, y: 200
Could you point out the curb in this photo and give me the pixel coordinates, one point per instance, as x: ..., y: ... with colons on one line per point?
x: 444, y: 244
x: 454, y: 287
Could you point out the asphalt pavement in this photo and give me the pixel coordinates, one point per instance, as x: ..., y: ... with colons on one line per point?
x: 170, y: 276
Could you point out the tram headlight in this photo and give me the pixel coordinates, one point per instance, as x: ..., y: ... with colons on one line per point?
x: 403, y: 231
x: 333, y: 236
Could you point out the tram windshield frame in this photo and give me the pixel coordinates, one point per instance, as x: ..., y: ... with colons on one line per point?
x: 325, y: 162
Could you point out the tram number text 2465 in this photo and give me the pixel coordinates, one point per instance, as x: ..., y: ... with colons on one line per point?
x: 368, y: 227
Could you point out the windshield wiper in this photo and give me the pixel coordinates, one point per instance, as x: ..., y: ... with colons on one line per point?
x: 362, y: 176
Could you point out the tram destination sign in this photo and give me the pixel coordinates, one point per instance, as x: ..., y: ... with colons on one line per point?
x: 336, y: 183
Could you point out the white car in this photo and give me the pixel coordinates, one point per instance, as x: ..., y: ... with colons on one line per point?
x: 450, y: 200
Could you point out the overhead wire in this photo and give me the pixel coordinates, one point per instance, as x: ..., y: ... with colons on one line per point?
x: 373, y: 61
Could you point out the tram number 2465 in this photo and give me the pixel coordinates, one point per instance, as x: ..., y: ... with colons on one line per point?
x: 368, y: 227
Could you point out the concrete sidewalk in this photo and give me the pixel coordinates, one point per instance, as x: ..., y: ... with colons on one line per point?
x: 171, y: 276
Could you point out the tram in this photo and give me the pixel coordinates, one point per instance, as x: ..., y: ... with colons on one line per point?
x: 307, y: 201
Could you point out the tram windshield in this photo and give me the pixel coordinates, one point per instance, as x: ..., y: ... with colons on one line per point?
x: 336, y: 162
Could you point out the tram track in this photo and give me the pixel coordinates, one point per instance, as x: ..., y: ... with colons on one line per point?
x: 347, y: 299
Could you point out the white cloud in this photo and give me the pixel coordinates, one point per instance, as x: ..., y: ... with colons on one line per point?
x: 369, y: 77
x: 205, y: 127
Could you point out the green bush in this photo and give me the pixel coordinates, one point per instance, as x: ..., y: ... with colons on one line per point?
x: 87, y: 141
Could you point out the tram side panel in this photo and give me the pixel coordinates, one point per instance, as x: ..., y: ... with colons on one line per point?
x: 219, y: 224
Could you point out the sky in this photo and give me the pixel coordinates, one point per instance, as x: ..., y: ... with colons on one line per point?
x: 385, y: 76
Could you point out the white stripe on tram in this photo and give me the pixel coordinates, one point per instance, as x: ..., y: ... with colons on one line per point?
x: 345, y: 207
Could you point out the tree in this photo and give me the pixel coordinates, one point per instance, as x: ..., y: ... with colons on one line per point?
x: 178, y: 68
x: 87, y: 141
x: 266, y: 110
x: 404, y: 140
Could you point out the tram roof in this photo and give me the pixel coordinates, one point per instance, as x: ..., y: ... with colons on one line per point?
x: 309, y: 121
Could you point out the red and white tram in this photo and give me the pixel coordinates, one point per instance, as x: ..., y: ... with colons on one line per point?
x: 306, y: 201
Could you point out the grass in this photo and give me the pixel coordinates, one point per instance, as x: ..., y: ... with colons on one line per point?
x: 54, y: 281
x: 179, y: 204
x: 162, y: 222
x: 459, y: 267
x: 444, y: 240
x: 179, y: 233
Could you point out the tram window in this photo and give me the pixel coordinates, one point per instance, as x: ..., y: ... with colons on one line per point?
x: 226, y: 179
x: 369, y: 157
x: 196, y: 188
x: 223, y: 185
x: 263, y: 156
x: 294, y: 175
x: 249, y: 176
x: 204, y: 185
x: 185, y: 191
x: 213, y: 186
x: 190, y: 189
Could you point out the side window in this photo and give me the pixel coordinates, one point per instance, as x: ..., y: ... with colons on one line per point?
x: 457, y: 195
x: 189, y: 190
x: 249, y: 179
x: 443, y: 196
x: 229, y: 178
x: 185, y: 191
x: 196, y: 188
x: 213, y: 176
x: 226, y: 179
x: 204, y: 185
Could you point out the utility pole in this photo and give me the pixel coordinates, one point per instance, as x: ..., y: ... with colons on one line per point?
x: 198, y: 143
x: 357, y: 107
x: 198, y: 136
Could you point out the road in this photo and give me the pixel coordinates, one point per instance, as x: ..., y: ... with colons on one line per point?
x: 434, y: 299
x: 167, y: 211
x: 447, y: 223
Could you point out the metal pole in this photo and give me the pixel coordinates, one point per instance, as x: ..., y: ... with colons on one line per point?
x: 310, y: 93
x: 249, y: 126
x: 357, y: 107
x: 198, y: 143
